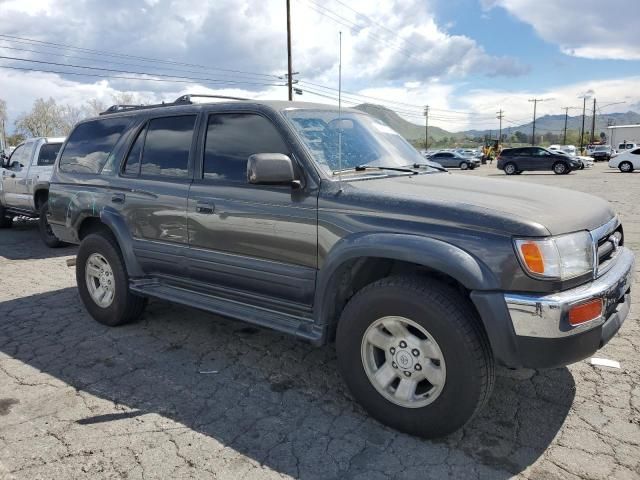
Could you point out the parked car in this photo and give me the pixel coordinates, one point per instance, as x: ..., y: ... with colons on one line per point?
x: 316, y: 222
x: 585, y: 162
x: 24, y: 188
x: 455, y: 160
x: 517, y: 160
x: 623, y: 147
x: 602, y: 153
x: 627, y: 162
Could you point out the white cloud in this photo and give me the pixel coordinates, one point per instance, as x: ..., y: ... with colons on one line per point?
x: 582, y: 28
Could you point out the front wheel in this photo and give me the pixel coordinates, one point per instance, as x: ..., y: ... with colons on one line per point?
x: 6, y: 221
x: 626, y: 167
x: 103, y: 282
x: 464, y: 166
x: 560, y: 168
x: 46, y: 233
x: 413, y: 353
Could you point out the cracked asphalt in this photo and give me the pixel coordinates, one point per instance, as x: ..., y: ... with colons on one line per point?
x: 186, y: 394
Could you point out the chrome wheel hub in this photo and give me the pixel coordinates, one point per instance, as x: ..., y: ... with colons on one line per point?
x: 403, y: 362
x: 100, y: 281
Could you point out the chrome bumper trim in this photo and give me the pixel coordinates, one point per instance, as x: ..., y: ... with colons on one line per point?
x: 545, y: 316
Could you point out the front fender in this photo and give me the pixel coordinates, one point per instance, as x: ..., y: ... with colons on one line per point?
x: 428, y: 252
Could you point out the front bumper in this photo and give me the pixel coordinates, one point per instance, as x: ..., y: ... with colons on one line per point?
x: 533, y: 331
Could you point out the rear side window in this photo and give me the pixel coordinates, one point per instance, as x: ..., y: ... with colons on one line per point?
x: 90, y: 144
x: 232, y: 138
x: 48, y: 154
x: 507, y: 153
x: 166, y: 146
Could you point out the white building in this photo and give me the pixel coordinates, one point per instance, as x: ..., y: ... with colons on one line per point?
x: 623, y: 133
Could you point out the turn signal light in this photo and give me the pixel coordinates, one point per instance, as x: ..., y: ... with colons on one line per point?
x: 585, y: 312
x: 532, y: 256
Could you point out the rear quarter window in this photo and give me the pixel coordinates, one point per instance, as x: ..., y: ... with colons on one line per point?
x: 48, y: 153
x: 90, y: 144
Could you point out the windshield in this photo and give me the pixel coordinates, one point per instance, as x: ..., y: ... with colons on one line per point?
x: 364, y: 140
x: 601, y: 149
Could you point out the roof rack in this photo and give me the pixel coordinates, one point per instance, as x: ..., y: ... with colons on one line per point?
x: 183, y: 100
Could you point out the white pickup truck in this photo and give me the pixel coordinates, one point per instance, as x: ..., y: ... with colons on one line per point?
x: 24, y: 185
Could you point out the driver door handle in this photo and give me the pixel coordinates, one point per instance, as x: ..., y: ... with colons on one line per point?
x: 206, y: 208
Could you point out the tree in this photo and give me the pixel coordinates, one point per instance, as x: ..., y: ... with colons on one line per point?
x: 15, y: 139
x: 68, y: 116
x: 95, y: 107
x: 43, y: 120
x: 521, y: 137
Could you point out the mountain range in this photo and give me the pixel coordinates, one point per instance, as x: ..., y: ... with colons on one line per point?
x: 544, y: 124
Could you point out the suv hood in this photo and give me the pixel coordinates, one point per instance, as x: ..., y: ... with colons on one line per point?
x: 557, y: 210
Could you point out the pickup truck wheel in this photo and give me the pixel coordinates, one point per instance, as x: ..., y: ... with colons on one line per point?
x: 626, y: 167
x: 412, y: 352
x: 560, y: 168
x: 510, y: 169
x: 46, y: 233
x: 5, y: 220
x: 103, y: 282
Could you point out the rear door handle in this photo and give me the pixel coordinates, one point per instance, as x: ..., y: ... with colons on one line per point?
x: 118, y: 198
x: 205, y: 208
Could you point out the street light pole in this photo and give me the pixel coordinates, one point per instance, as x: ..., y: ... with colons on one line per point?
x: 289, y: 66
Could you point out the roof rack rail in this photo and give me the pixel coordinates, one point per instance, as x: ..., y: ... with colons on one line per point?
x: 183, y: 100
x: 187, y: 98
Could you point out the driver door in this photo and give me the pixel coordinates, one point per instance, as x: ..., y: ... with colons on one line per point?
x: 15, y: 174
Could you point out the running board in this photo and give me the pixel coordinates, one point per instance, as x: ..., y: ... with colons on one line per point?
x: 298, y: 326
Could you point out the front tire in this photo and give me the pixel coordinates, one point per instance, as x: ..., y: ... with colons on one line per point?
x: 560, y: 168
x: 414, y: 355
x: 47, y: 235
x: 5, y: 220
x: 103, y: 282
x: 626, y: 167
x: 464, y: 166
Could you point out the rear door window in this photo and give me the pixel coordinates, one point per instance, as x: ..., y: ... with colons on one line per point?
x: 90, y: 144
x: 167, y: 146
x: 48, y: 153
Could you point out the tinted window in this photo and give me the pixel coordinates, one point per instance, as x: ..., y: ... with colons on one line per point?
x: 167, y: 146
x: 90, y: 144
x: 232, y: 139
x: 132, y: 163
x: 508, y: 153
x: 48, y: 153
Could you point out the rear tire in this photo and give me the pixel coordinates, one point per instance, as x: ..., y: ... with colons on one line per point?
x: 626, y: 167
x: 6, y: 221
x: 47, y: 235
x: 119, y: 306
x: 510, y: 168
x: 445, y: 326
x: 560, y: 168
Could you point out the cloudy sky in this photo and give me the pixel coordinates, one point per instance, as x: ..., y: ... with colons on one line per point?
x: 466, y: 59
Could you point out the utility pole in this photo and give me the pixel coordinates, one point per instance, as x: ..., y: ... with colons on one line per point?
x: 593, y: 121
x: 584, y: 108
x: 289, y: 67
x: 500, y: 117
x: 566, y: 117
x: 535, y: 104
x: 426, y: 127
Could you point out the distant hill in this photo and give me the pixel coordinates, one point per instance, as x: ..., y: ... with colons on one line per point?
x: 408, y: 130
x: 544, y: 124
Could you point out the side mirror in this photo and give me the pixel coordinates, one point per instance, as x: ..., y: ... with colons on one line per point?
x: 15, y: 164
x: 270, y: 169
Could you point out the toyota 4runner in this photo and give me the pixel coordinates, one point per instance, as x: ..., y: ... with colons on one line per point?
x: 326, y: 224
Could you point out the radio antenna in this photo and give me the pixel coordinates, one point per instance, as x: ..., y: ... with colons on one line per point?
x: 340, y: 114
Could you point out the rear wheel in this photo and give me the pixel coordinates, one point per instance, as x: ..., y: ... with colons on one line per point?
x: 510, y: 169
x: 103, y: 282
x: 46, y: 233
x: 560, y: 168
x: 626, y: 167
x: 412, y: 352
x: 5, y: 219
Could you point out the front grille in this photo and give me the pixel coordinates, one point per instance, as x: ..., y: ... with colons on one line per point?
x: 607, y: 248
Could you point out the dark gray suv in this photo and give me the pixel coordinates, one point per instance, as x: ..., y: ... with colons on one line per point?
x: 517, y: 160
x: 326, y: 225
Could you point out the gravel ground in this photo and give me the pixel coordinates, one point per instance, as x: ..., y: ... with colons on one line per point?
x: 186, y: 394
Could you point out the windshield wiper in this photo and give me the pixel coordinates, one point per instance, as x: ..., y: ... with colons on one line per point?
x: 362, y: 168
x: 419, y: 165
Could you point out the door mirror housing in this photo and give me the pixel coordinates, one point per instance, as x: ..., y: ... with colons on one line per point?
x: 270, y: 169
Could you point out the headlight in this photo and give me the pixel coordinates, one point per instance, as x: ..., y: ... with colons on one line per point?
x: 562, y: 257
